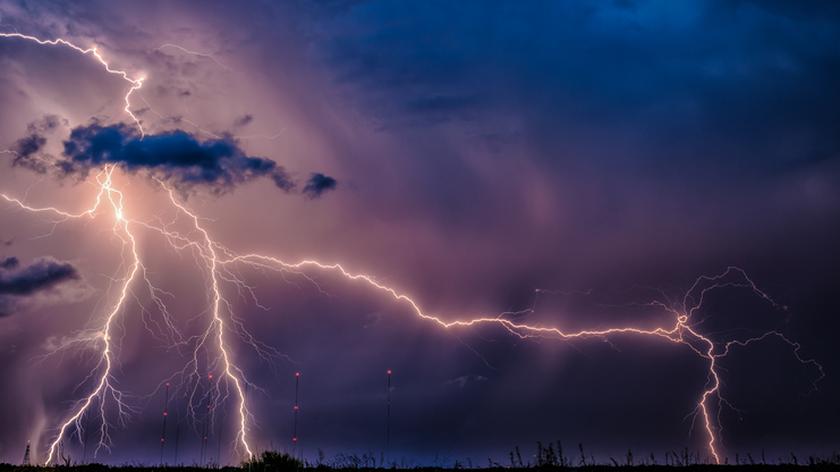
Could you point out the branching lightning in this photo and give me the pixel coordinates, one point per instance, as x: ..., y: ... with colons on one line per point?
x: 134, y: 83
x: 104, y: 388
x: 230, y: 371
x: 217, y: 260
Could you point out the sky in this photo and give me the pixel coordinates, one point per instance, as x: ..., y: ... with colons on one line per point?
x: 559, y: 163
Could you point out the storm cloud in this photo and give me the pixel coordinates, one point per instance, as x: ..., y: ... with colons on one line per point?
x: 18, y: 282
x: 176, y: 156
x: 243, y: 120
x: 493, y: 147
x: 29, y: 150
x: 9, y: 263
x: 318, y: 184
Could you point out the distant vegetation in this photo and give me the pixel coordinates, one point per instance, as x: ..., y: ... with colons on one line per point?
x: 547, y: 457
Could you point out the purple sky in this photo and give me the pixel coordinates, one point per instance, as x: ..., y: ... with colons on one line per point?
x: 467, y: 153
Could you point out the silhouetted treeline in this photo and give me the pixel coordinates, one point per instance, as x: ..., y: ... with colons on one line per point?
x: 547, y: 456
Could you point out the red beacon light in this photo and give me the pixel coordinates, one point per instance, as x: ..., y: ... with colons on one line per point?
x: 389, y: 372
x: 297, y: 374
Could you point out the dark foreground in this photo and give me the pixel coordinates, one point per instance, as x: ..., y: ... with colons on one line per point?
x: 697, y: 467
x: 546, y: 460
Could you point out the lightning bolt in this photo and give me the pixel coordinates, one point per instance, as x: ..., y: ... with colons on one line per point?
x: 230, y: 371
x: 104, y: 387
x: 184, y: 50
x: 216, y: 259
x: 134, y: 83
x: 680, y: 331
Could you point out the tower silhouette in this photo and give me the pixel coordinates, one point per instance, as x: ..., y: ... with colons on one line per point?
x: 295, y: 410
x: 389, y: 372
x: 27, y: 460
x: 163, y: 422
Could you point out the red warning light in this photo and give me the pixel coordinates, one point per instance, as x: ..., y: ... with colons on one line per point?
x: 389, y: 372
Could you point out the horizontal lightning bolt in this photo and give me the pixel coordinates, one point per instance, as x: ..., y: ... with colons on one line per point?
x: 678, y: 331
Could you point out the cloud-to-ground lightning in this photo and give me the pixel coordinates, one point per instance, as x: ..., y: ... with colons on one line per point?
x: 219, y: 324
x: 104, y: 388
x: 679, y: 330
x: 215, y: 258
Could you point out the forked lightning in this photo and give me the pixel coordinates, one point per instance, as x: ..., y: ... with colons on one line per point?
x: 216, y: 258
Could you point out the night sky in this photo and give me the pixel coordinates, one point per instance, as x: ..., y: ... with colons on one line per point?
x: 563, y: 163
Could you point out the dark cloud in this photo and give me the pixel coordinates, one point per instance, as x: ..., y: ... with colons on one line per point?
x: 318, y: 184
x: 46, y: 124
x: 636, y: 143
x: 243, y: 120
x: 9, y: 263
x: 41, y: 275
x: 28, y: 150
x: 176, y: 156
x: 761, y: 86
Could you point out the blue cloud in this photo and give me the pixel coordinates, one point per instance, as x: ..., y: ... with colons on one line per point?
x: 177, y: 156
x: 318, y: 184
x: 41, y: 275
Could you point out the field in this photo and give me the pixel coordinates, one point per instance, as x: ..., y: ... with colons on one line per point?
x: 276, y: 462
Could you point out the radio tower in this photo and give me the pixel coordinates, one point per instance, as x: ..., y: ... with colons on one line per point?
x: 163, y: 422
x: 27, y: 460
x: 388, y: 411
x: 295, y: 410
